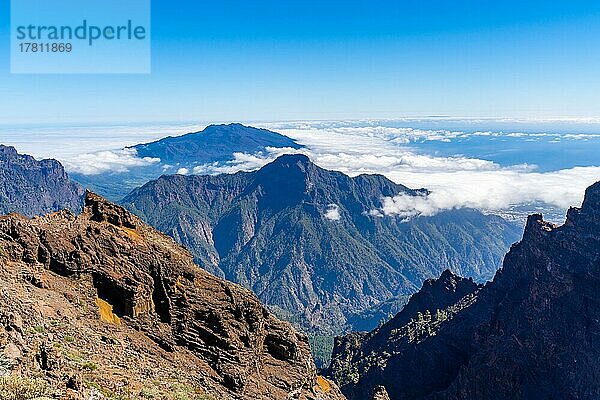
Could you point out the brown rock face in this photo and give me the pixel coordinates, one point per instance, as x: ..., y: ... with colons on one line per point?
x: 531, y: 333
x: 105, y: 302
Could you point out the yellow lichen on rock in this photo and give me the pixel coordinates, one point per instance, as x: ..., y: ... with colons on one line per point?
x: 106, y: 312
x: 323, y: 384
x: 132, y: 234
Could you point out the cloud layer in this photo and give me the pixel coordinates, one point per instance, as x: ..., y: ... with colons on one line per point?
x: 453, y: 181
x: 356, y: 147
x: 108, y: 161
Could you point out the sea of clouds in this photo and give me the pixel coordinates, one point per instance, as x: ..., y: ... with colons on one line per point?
x: 358, y: 147
x: 454, y: 182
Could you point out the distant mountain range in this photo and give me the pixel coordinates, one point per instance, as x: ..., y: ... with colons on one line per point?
x: 31, y: 187
x: 531, y: 333
x: 302, y: 238
x: 215, y: 145
x: 298, y: 235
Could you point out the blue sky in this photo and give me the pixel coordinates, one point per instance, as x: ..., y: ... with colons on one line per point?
x: 277, y: 60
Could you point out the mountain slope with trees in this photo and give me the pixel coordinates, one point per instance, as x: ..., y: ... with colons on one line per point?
x: 304, y: 240
x: 531, y: 333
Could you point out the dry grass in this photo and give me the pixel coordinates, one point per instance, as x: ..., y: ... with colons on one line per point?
x: 14, y: 387
x: 132, y: 233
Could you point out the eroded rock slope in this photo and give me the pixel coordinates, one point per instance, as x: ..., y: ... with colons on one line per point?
x: 101, y: 302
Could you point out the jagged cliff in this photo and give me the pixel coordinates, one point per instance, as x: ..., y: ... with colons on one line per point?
x: 32, y: 187
x: 101, y: 302
x: 531, y: 333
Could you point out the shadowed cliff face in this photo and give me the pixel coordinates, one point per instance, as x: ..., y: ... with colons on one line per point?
x: 531, y: 333
x: 138, y: 305
x: 301, y: 237
x: 32, y: 187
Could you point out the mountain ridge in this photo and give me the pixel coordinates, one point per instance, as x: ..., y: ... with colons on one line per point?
x: 31, y: 187
x: 301, y: 237
x: 215, y: 145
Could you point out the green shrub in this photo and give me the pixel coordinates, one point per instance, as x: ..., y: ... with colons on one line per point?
x: 90, y: 365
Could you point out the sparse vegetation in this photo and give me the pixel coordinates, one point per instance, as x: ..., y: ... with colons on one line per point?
x: 321, y: 347
x: 94, y: 385
x: 426, y: 324
x: 150, y: 393
x: 14, y: 387
x: 173, y: 391
x: 73, y: 356
x: 90, y: 365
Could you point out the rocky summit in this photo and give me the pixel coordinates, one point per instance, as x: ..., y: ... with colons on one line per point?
x: 99, y: 305
x: 531, y: 333
x: 309, y: 243
x: 31, y: 187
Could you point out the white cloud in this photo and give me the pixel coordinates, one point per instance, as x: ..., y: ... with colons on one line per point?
x: 453, y: 181
x: 90, y: 150
x: 245, y: 161
x: 407, y: 206
x: 108, y: 161
x: 488, y: 190
x: 333, y: 212
x: 66, y: 143
x: 183, y: 171
x: 353, y: 147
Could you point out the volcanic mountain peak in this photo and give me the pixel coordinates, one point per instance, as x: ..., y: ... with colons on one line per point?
x: 214, y: 143
x: 303, y: 238
x: 287, y: 160
x: 208, y: 150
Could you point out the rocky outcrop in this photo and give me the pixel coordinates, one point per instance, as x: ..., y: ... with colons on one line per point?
x: 304, y: 240
x: 32, y: 187
x: 380, y: 394
x: 529, y: 334
x: 390, y: 356
x: 102, y: 301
